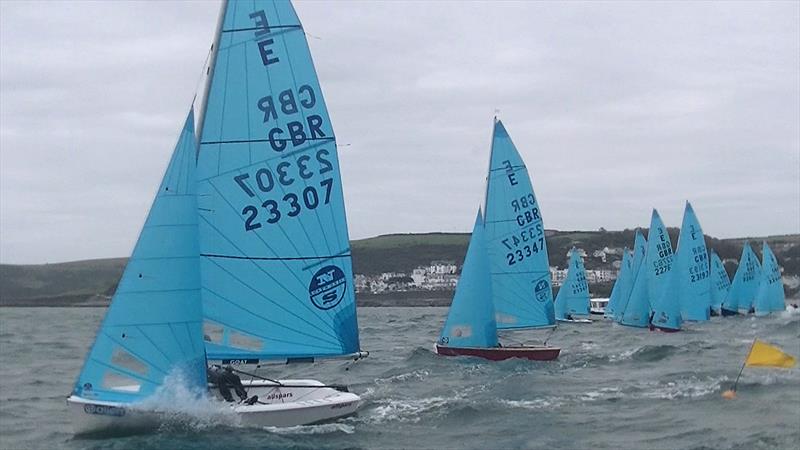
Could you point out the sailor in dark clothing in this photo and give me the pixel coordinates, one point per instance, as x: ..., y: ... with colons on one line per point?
x: 225, y: 379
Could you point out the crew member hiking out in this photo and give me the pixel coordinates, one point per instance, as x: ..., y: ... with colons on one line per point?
x: 225, y: 379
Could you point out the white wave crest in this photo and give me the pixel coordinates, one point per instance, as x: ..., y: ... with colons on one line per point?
x: 325, y: 428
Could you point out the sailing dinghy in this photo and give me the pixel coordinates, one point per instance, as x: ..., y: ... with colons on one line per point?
x: 622, y: 285
x: 235, y: 284
x: 572, y: 301
x: 720, y: 284
x: 770, y: 296
x: 651, y: 278
x: 744, y: 285
x: 518, y: 270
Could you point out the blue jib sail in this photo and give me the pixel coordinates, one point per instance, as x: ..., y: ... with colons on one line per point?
x: 277, y: 277
x: 744, y: 285
x: 622, y: 285
x: 470, y: 322
x: 515, y: 238
x: 720, y: 283
x: 634, y: 303
x: 153, y: 326
x: 573, y: 296
x: 692, y: 264
x: 769, y: 296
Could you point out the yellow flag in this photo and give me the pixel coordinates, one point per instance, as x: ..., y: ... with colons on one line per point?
x: 765, y: 355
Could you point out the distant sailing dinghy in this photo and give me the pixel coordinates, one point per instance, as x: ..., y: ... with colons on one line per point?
x: 770, y: 296
x: 519, y: 274
x: 572, y: 301
x: 652, y: 276
x: 720, y: 284
x: 622, y: 285
x: 744, y: 285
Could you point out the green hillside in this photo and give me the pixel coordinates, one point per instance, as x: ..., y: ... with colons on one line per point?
x: 82, y: 282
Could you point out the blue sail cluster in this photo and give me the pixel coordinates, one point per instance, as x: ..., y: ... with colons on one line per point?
x: 691, y: 283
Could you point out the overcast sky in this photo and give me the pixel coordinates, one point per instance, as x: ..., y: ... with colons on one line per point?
x: 616, y: 108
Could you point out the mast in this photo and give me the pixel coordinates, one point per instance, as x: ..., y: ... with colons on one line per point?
x: 212, y: 62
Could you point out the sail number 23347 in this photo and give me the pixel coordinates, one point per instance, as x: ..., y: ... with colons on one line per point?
x: 264, y: 180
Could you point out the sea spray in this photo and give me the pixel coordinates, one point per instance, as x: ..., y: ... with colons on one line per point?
x: 182, y: 405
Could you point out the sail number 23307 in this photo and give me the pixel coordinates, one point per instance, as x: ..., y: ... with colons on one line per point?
x: 265, y: 180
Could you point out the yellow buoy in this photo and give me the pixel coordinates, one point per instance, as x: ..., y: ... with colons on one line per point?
x: 729, y: 395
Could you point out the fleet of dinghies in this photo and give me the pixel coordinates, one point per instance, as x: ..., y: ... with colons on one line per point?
x: 661, y: 289
x: 244, y: 257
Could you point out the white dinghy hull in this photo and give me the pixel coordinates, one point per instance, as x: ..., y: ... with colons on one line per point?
x: 292, y: 403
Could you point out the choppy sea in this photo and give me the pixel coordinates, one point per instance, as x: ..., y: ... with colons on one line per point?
x: 612, y: 388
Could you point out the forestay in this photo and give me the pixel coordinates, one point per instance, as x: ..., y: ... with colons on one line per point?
x: 275, y: 257
x: 770, y: 296
x: 470, y: 321
x: 720, y: 283
x: 152, y: 328
x: 573, y: 296
x: 745, y: 282
x: 516, y: 240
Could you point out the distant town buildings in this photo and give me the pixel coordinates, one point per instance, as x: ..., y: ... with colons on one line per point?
x: 443, y: 276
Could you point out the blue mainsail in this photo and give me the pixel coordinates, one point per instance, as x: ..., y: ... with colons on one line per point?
x: 573, y: 297
x: 276, y: 269
x: 693, y: 270
x: 635, y: 310
x: 720, y: 283
x: 769, y: 296
x: 516, y: 241
x: 622, y: 285
x: 470, y: 322
x: 153, y: 326
x: 745, y: 282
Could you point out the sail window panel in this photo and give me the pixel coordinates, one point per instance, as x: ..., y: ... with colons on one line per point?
x: 240, y: 340
x: 212, y: 332
x: 125, y: 360
x: 115, y: 381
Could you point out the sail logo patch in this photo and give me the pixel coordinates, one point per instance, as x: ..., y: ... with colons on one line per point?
x: 327, y: 287
x: 541, y: 290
